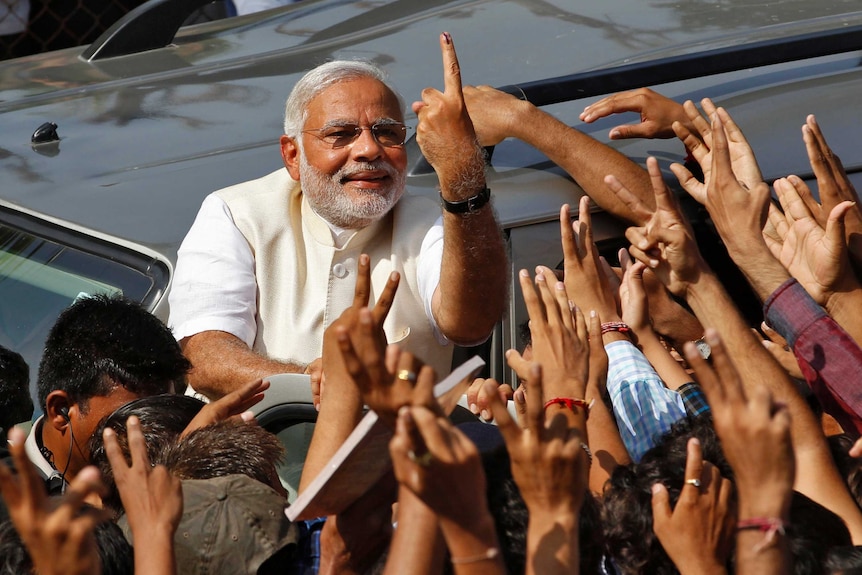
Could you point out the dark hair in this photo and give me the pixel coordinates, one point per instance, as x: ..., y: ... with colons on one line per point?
x: 115, y: 552
x: 103, y: 341
x: 844, y: 560
x: 162, y: 417
x: 15, y: 403
x: 226, y: 448
x: 850, y: 468
x: 627, y: 506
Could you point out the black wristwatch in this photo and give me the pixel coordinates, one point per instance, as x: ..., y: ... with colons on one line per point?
x: 470, y: 205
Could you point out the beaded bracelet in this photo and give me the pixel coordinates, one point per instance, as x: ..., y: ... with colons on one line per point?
x: 770, y: 526
x: 618, y: 326
x: 571, y: 403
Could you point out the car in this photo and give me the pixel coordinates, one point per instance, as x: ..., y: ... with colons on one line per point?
x: 108, y: 150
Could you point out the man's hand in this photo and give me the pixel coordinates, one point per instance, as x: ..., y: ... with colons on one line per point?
x: 314, y: 371
x: 833, y: 185
x: 477, y: 398
x: 754, y: 433
x: 815, y: 256
x: 702, y: 549
x: 349, y: 321
x: 738, y: 209
x: 657, y: 113
x: 235, y: 404
x: 559, y: 339
x: 152, y: 497
x: 495, y: 114
x: 700, y: 144
x: 438, y: 463
x: 445, y: 132
x: 387, y: 379
x: 586, y: 282
x: 777, y: 346
x: 666, y: 243
x: 60, y: 539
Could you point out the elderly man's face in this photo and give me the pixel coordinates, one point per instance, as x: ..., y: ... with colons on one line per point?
x: 355, y: 184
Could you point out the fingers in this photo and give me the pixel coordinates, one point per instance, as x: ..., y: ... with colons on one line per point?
x: 508, y: 428
x: 773, y: 335
x: 641, y: 211
x: 567, y: 236
x: 663, y: 197
x: 661, y: 511
x: 689, y: 183
x: 693, y: 471
x: 721, y: 166
x: 535, y: 407
x: 856, y: 450
x: 700, y: 124
x: 535, y: 310
x: 423, y: 395
x: 387, y: 296
x: 30, y: 486
x: 363, y: 282
x: 835, y: 228
x: 613, y: 104
x: 451, y: 68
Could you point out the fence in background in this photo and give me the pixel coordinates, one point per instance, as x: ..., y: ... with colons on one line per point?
x: 34, y: 26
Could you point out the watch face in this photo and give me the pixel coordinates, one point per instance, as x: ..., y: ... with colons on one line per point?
x: 703, y: 348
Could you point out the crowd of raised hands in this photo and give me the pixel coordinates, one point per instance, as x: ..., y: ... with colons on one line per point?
x: 654, y: 431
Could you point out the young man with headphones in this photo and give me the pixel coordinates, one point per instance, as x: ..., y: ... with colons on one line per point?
x: 102, y: 352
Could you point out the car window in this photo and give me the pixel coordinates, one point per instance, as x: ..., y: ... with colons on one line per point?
x: 40, y: 277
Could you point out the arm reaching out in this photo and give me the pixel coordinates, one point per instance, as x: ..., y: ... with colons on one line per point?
x: 658, y: 114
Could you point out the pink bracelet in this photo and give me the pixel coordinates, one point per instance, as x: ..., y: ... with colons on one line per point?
x: 615, y: 326
x: 770, y: 526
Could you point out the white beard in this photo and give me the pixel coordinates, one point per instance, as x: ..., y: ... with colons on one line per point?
x: 329, y: 200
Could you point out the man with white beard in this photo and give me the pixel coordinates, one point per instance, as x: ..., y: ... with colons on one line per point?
x: 270, y: 263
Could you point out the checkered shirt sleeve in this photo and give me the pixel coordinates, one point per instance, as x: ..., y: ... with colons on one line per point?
x: 643, y: 406
x: 693, y: 398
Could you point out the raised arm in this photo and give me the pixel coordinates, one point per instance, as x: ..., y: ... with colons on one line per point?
x: 497, y: 115
x: 471, y: 295
x: 666, y: 245
x: 221, y: 363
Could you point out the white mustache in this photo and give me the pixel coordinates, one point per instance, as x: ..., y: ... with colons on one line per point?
x: 379, y: 166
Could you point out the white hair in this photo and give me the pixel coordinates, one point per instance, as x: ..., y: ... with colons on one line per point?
x: 319, y: 79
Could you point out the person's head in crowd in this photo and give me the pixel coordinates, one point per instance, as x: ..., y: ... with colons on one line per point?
x: 115, y: 552
x: 102, y: 352
x: 845, y: 560
x: 325, y: 153
x: 850, y: 468
x: 228, y: 447
x: 15, y: 403
x: 627, y: 506
x: 162, y: 419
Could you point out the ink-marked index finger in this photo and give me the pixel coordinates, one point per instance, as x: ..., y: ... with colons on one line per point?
x: 451, y: 68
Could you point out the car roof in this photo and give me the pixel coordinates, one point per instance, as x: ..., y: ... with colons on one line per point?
x: 145, y: 137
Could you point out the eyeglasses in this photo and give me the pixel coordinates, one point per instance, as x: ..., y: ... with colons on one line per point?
x: 388, y: 134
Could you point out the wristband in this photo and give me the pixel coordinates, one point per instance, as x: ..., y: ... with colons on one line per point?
x: 615, y: 326
x: 469, y: 206
x: 770, y: 526
x: 571, y: 403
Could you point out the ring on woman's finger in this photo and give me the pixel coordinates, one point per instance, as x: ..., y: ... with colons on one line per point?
x: 695, y: 482
x: 406, y: 375
x: 423, y: 460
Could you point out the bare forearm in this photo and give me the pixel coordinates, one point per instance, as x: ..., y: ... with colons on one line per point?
x: 335, y: 422
x: 609, y: 451
x: 552, y: 544
x: 155, y: 552
x: 671, y: 372
x: 816, y: 475
x: 469, y: 545
x: 472, y: 292
x: 417, y: 546
x: 221, y: 363
x: 588, y: 161
x: 753, y: 554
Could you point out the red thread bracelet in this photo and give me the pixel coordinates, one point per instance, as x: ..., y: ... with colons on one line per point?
x: 770, y: 526
x: 615, y: 326
x: 569, y: 402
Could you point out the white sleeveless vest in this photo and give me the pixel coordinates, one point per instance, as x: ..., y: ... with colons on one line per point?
x: 304, y: 282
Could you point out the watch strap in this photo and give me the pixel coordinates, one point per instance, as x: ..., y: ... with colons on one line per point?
x: 470, y: 205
